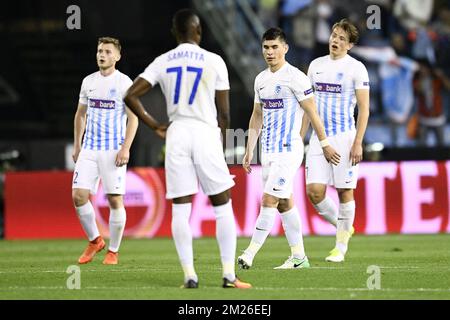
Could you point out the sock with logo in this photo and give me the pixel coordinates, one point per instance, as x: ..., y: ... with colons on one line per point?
x: 344, y: 225
x: 292, y: 226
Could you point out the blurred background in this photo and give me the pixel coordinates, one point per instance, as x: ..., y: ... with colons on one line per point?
x: 42, y: 64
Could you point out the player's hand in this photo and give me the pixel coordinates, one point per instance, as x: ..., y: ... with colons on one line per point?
x: 76, y: 153
x: 122, y: 156
x: 162, y: 130
x: 331, y: 155
x: 356, y: 154
x: 246, y: 162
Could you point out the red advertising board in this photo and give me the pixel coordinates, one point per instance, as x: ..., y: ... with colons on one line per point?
x: 392, y: 197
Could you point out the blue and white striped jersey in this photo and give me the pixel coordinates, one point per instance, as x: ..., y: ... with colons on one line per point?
x: 335, y: 82
x: 279, y: 94
x: 106, y: 113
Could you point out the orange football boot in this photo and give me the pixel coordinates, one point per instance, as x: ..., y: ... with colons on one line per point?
x: 93, y: 247
x: 111, y: 258
x: 236, y: 284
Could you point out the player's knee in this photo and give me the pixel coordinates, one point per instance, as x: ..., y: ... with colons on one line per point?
x: 115, y: 201
x: 285, y: 205
x: 79, y: 198
x: 316, y: 195
x: 270, y: 201
x: 345, y: 195
x: 220, y: 199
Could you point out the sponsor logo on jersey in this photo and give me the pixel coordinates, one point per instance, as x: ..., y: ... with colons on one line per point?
x: 328, y: 87
x: 102, y: 104
x: 272, y: 103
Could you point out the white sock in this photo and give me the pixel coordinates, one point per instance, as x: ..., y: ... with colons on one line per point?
x: 86, y: 214
x: 328, y: 210
x: 344, y: 225
x: 264, y: 225
x: 292, y: 226
x: 182, y: 236
x: 226, y: 238
x: 117, y: 220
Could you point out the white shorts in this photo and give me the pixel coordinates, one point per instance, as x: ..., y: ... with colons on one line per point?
x: 93, y: 165
x: 278, y: 170
x: 318, y: 170
x: 194, y: 154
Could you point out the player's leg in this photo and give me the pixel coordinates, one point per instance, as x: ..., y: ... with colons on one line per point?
x: 182, y: 236
x: 267, y: 213
x: 318, y: 172
x: 292, y: 226
x: 345, y: 178
x: 226, y: 238
x: 117, y: 221
x: 323, y: 204
x: 114, y: 180
x: 216, y: 181
x: 344, y: 225
x: 285, y: 170
x: 85, y: 181
x: 181, y: 184
x: 263, y: 226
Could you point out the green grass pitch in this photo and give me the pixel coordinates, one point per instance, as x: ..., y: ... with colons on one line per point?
x: 412, y: 267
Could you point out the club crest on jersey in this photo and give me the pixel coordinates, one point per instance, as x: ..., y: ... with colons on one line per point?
x: 112, y: 93
x: 277, y: 89
x: 281, y: 181
x: 102, y: 104
x: 339, y: 76
x: 272, y: 103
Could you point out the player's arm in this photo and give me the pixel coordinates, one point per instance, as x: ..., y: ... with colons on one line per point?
x: 254, y: 130
x: 124, y: 153
x: 305, y: 127
x: 79, y: 125
x: 223, y: 112
x: 362, y: 100
x: 132, y: 100
x: 309, y: 105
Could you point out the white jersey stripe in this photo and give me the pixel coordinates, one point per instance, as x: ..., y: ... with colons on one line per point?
x: 283, y: 137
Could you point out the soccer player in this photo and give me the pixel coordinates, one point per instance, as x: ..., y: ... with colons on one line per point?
x: 282, y: 95
x: 105, y: 149
x: 191, y: 78
x: 340, y: 83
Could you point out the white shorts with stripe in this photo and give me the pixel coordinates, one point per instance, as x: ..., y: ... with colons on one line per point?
x: 93, y: 165
x: 279, y: 170
x: 194, y: 154
x: 319, y: 170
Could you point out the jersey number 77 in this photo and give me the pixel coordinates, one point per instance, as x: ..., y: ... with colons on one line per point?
x: 179, y: 72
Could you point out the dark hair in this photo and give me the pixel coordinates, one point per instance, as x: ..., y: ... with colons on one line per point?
x: 349, y: 28
x: 273, y: 34
x: 114, y: 41
x: 181, y: 19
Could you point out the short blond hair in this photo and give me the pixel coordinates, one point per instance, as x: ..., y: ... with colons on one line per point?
x: 114, y: 41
